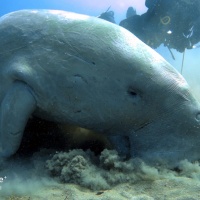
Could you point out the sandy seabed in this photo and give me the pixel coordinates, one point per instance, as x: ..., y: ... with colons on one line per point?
x: 28, y: 180
x: 177, y: 189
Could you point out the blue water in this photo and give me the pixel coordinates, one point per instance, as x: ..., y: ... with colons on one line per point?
x: 188, y: 62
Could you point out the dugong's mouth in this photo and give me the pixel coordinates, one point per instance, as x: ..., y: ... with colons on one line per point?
x: 144, y: 125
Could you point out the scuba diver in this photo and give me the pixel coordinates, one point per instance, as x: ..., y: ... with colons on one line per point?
x: 176, y: 24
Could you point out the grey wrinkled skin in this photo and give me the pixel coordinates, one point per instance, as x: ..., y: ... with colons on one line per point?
x: 77, y: 69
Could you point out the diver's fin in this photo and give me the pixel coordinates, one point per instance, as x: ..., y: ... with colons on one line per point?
x: 15, y: 109
x: 108, y: 9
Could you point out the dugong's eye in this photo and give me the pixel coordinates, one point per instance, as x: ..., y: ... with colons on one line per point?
x: 134, y: 95
x: 132, y: 92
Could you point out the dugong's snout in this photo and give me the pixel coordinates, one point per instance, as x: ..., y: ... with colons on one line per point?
x: 197, y: 117
x: 171, y: 138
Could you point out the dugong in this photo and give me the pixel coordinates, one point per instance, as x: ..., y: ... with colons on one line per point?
x: 72, y: 68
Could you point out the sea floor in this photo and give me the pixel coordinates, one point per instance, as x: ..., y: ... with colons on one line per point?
x: 177, y: 189
x: 27, y: 180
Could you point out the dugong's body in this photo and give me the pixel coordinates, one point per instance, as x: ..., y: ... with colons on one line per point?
x: 77, y: 69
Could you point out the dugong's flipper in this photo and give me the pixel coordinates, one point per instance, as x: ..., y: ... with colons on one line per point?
x: 16, y: 107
